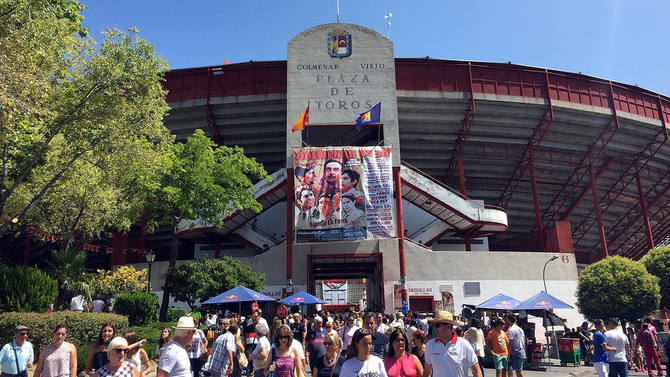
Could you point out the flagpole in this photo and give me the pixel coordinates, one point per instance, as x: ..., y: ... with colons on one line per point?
x: 338, y: 11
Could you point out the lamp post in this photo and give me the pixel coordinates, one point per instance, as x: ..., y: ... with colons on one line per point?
x: 553, y: 258
x: 150, y: 257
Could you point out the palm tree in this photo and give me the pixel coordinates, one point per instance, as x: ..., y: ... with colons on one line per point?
x: 68, y: 266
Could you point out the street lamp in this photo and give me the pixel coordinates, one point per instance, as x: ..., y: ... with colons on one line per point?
x: 150, y: 257
x: 553, y: 258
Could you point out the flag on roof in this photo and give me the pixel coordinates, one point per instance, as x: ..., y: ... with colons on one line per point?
x: 369, y: 117
x: 304, y: 119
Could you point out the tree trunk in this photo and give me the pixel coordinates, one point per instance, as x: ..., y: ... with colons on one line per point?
x: 174, y: 250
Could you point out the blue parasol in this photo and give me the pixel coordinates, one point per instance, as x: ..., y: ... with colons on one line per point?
x: 238, y: 294
x: 543, y: 300
x: 302, y: 298
x: 500, y: 302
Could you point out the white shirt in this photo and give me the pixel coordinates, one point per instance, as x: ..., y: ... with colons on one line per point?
x: 263, y: 342
x: 516, y: 339
x: 97, y: 306
x: 372, y: 367
x: 298, y: 346
x: 616, y: 338
x: 347, y: 333
x: 452, y: 359
x: 195, y: 347
x: 174, y: 360
x: 382, y: 328
x: 77, y: 303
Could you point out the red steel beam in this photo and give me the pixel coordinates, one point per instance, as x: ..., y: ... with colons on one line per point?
x: 532, y: 146
x: 596, y: 208
x: 581, y: 196
x: 536, y: 205
x: 639, y: 162
x: 633, y: 245
x: 463, y: 133
x: 209, y: 114
x: 290, y: 194
x: 621, y: 228
x: 595, y: 150
x: 643, y: 209
x: 401, y: 236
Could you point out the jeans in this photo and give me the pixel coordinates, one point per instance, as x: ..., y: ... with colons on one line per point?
x: 618, y: 369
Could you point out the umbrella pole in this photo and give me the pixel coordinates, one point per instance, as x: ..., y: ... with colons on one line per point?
x: 240, y: 308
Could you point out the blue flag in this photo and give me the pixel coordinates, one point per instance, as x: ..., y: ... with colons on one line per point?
x: 369, y: 117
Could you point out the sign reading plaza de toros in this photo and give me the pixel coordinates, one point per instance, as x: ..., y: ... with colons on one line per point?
x: 341, y: 70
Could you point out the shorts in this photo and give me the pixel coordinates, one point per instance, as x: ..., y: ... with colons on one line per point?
x: 501, y: 362
x: 515, y: 363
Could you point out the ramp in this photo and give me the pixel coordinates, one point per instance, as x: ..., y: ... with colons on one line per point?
x: 462, y: 215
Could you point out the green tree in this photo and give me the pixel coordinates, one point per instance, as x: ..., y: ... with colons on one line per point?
x: 205, y: 278
x: 657, y: 262
x: 68, y: 267
x: 205, y: 182
x: 617, y: 287
x: 24, y: 289
x: 80, y: 123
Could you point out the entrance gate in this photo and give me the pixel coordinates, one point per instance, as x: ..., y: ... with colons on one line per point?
x: 350, y: 266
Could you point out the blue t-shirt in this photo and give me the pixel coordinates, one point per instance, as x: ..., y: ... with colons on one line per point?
x: 599, y: 353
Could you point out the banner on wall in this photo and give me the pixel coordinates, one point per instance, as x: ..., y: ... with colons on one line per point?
x: 343, y: 193
x: 335, y: 291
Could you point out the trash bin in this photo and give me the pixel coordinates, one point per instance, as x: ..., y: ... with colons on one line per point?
x: 569, y: 351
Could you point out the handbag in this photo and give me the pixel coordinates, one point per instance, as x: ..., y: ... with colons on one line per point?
x: 242, y: 360
x: 23, y: 373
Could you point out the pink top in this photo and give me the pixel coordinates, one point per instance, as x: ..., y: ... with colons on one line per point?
x: 284, y: 366
x: 401, y: 367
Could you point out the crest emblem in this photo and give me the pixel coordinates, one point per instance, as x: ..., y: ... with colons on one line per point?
x: 339, y: 44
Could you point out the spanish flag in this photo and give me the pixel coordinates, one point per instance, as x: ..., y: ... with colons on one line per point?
x: 302, y: 121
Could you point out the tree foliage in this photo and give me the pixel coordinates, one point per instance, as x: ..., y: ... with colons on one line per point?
x: 80, y: 123
x: 125, y: 279
x: 68, y: 267
x: 657, y: 262
x: 24, y: 289
x: 206, y: 278
x: 203, y: 181
x: 617, y: 287
x: 139, y: 307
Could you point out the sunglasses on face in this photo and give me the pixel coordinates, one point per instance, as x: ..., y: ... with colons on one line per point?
x: 284, y: 337
x: 23, y: 333
x: 121, y: 350
x: 327, y: 343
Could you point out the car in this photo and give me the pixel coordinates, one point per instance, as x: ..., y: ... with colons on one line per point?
x: 662, y: 338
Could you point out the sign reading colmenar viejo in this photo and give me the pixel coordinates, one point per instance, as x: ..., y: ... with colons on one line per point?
x: 341, y: 70
x: 343, y: 193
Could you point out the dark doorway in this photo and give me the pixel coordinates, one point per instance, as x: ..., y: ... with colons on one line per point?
x: 350, y: 266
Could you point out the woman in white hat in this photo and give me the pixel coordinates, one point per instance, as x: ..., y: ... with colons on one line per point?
x: 118, y: 366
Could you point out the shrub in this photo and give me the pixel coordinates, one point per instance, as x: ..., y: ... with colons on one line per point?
x: 26, y: 289
x: 174, y: 314
x: 83, y: 328
x: 124, y: 279
x: 139, y: 307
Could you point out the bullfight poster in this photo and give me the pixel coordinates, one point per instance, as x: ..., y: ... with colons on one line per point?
x: 343, y: 193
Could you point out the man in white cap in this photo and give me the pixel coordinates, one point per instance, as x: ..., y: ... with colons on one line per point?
x: 448, y: 355
x: 174, y: 361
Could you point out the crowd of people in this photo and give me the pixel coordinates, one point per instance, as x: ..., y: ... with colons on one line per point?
x: 328, y: 344
x: 614, y: 350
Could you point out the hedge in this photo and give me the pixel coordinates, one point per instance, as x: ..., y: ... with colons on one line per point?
x: 83, y: 328
x: 139, y: 307
x: 174, y: 314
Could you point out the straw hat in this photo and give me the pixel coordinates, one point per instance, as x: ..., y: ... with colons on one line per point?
x: 185, y: 323
x: 118, y: 342
x: 443, y: 316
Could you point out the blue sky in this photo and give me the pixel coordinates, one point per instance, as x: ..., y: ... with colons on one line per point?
x: 625, y: 41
